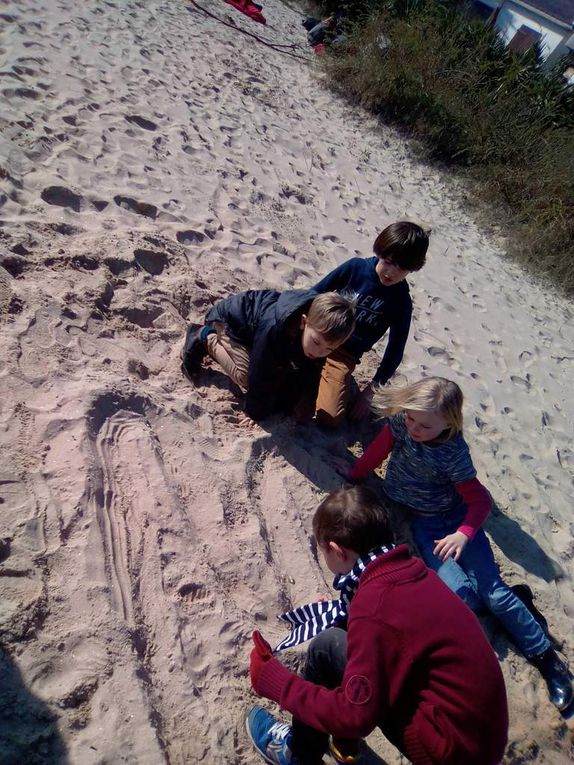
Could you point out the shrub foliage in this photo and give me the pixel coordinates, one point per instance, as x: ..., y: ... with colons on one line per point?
x: 444, y: 74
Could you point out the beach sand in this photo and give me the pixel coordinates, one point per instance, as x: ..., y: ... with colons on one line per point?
x: 153, y: 160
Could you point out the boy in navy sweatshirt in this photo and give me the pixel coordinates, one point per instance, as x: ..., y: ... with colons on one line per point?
x: 398, y: 650
x: 383, y: 304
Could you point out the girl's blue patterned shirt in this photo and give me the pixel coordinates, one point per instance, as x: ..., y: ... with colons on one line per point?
x: 422, y: 475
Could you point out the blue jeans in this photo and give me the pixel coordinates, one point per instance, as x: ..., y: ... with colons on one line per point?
x: 476, y: 580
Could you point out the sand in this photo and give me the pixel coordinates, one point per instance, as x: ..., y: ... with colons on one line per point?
x: 153, y: 160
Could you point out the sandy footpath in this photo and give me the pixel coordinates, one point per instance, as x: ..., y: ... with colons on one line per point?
x: 153, y: 160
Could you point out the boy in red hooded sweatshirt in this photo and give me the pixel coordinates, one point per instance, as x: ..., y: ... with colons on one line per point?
x: 398, y: 650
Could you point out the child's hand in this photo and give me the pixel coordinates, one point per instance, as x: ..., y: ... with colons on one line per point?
x: 362, y: 404
x: 236, y: 416
x: 260, y: 654
x: 450, y: 546
x: 246, y: 422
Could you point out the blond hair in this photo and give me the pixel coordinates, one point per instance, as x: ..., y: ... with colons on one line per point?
x: 433, y: 394
x: 333, y: 316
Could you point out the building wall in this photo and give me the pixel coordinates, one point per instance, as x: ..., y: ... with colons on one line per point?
x: 511, y: 17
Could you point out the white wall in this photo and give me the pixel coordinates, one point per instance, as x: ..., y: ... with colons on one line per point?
x: 512, y: 17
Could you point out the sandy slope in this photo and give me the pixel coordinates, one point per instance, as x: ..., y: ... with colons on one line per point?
x: 152, y: 161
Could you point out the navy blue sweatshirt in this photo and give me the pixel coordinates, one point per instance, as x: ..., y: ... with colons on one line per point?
x: 379, y: 309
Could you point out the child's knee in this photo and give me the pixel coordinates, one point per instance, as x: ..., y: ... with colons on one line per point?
x: 241, y: 378
x: 327, y: 653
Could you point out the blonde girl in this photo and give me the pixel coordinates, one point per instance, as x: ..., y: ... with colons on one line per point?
x: 431, y: 472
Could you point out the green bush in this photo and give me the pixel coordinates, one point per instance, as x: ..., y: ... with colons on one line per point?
x: 447, y: 77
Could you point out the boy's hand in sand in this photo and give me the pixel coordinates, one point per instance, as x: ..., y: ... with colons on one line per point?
x: 450, y: 546
x: 260, y: 654
x: 362, y: 404
x: 246, y: 422
x: 236, y: 416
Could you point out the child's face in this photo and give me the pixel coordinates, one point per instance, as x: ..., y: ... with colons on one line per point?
x: 313, y: 343
x: 424, y: 426
x: 389, y: 272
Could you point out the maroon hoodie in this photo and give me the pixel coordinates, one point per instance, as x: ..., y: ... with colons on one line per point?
x: 419, y: 666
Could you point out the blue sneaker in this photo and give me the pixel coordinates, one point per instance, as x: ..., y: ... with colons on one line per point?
x: 272, y: 739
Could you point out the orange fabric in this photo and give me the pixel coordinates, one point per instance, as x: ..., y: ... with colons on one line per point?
x: 334, y: 388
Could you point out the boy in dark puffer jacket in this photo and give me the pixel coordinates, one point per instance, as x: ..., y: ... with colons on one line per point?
x: 271, y: 344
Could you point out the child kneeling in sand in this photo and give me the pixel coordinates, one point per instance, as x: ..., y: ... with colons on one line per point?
x: 271, y: 344
x: 431, y: 474
x: 383, y: 304
x: 412, y: 660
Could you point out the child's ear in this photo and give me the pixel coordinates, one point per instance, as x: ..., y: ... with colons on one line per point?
x: 339, y: 551
x: 303, y: 321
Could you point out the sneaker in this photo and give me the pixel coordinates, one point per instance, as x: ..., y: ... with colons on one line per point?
x: 271, y: 738
x: 194, y: 350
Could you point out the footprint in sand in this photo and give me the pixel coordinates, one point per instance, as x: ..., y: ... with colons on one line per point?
x: 151, y: 261
x: 521, y: 382
x: 141, y: 122
x: 191, y: 591
x: 62, y: 197
x: 190, y: 237
x: 440, y: 353
x: 478, y: 304
x: 443, y: 304
x: 140, y: 208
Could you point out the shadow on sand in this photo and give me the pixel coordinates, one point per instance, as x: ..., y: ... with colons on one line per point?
x: 310, y: 450
x: 28, y: 728
x: 520, y: 547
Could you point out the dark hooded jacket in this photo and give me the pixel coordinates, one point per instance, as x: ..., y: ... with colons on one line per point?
x: 267, y: 323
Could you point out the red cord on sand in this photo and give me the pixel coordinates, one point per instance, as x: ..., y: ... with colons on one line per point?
x: 249, y: 9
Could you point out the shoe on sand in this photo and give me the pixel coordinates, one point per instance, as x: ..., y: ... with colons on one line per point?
x: 271, y: 738
x: 194, y: 350
x: 557, y: 677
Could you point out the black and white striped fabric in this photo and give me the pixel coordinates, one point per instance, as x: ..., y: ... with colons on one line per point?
x: 308, y: 621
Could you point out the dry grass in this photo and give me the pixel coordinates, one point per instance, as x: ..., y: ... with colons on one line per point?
x: 496, y: 116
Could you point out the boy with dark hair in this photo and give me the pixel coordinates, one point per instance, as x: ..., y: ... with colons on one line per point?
x: 271, y: 344
x: 383, y: 304
x: 412, y: 660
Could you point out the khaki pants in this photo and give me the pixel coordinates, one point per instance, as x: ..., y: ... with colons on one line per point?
x: 334, y: 389
x: 231, y: 356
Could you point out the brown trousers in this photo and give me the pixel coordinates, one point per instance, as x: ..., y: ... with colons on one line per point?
x: 334, y: 389
x: 231, y: 356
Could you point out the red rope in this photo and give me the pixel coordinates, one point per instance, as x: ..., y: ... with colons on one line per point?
x: 274, y: 46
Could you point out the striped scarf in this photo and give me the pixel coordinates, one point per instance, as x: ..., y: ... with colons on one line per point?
x: 308, y: 621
